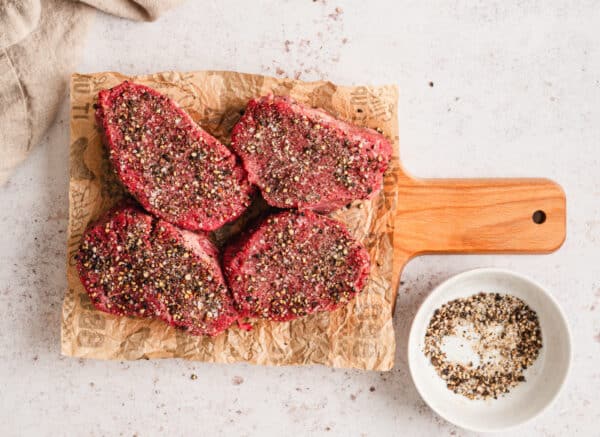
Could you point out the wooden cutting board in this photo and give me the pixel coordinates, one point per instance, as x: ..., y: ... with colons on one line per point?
x: 476, y: 216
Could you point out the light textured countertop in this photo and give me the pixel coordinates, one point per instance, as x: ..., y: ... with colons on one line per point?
x: 487, y: 89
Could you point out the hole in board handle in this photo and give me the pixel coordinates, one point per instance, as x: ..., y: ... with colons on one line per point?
x: 539, y: 217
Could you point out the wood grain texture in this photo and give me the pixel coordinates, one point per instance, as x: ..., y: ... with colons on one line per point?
x: 476, y: 216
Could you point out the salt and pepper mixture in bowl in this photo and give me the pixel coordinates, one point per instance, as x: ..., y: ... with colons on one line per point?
x: 503, y: 338
x: 489, y: 349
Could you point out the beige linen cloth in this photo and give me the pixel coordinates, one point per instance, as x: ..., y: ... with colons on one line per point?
x: 40, y: 43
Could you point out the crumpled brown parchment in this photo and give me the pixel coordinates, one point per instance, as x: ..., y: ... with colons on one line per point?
x: 361, y: 335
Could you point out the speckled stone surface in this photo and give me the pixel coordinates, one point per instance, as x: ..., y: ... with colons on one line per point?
x: 487, y: 89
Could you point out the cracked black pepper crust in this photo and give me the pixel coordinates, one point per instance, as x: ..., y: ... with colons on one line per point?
x: 176, y: 170
x: 304, y: 158
x: 294, y: 264
x: 133, y: 264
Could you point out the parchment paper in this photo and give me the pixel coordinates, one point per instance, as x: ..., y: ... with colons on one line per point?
x: 361, y: 335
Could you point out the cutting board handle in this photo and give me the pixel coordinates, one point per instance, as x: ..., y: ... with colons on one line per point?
x: 479, y: 216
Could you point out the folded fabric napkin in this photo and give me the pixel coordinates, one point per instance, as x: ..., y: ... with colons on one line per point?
x: 40, y: 44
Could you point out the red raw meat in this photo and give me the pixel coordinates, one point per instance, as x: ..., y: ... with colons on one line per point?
x: 133, y: 264
x: 293, y: 264
x: 304, y: 158
x: 174, y: 168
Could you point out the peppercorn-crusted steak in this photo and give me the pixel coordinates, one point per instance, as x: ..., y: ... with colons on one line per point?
x: 304, y: 158
x: 293, y: 264
x: 133, y: 264
x: 174, y: 168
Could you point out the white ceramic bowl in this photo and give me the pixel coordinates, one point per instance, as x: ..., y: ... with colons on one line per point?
x: 544, y: 378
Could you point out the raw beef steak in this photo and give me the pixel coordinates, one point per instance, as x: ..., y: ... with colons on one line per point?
x: 304, y: 158
x: 174, y: 168
x: 133, y: 264
x: 293, y: 264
